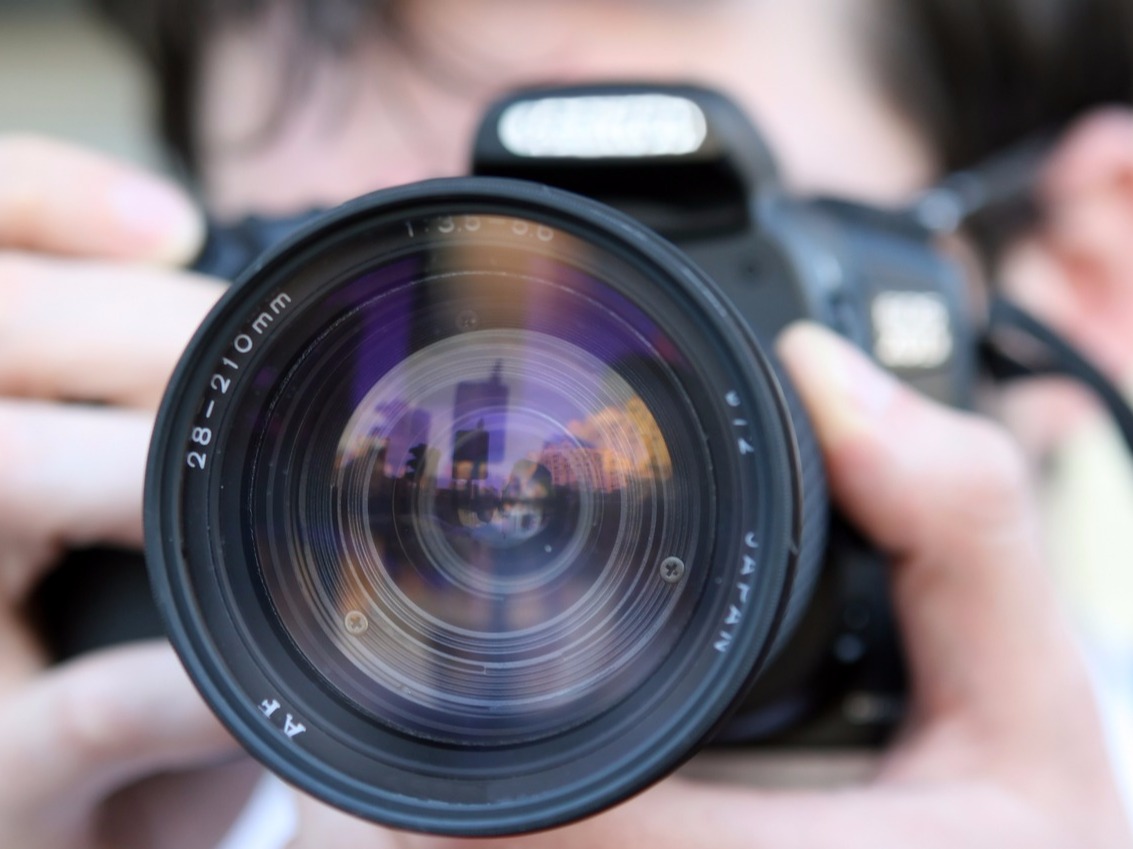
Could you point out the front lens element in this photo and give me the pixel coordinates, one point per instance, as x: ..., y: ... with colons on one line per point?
x: 467, y: 484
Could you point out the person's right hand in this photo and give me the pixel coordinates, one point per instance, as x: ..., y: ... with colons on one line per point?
x: 93, y: 316
x: 1005, y: 748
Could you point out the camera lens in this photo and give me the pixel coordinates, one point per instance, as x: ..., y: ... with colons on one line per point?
x: 472, y: 509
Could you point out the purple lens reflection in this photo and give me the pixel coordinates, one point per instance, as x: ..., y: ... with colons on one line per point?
x: 470, y: 485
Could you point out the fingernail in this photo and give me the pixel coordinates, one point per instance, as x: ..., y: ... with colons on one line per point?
x: 166, y: 223
x: 843, y: 390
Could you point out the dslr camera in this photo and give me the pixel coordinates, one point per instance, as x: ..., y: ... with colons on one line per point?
x: 478, y: 505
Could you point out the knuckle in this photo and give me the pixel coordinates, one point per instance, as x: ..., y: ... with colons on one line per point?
x: 14, y: 448
x: 24, y: 200
x: 19, y: 148
x: 20, y: 277
x: 16, y: 272
x: 1004, y: 463
x: 29, y: 539
x: 21, y: 155
x: 995, y: 483
x: 87, y: 720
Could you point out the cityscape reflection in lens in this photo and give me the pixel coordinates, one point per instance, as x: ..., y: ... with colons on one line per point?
x: 469, y: 483
x: 507, y: 479
x: 503, y: 478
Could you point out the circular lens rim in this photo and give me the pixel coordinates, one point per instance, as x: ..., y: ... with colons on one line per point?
x: 779, y: 509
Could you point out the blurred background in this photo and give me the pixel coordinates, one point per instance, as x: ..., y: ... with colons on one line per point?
x: 65, y: 73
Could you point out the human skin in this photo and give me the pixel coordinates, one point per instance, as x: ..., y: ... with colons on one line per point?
x: 797, y: 67
x: 1005, y: 747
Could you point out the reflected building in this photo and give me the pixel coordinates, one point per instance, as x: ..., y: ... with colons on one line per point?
x: 656, y: 462
x: 480, y: 401
x: 580, y: 465
x: 632, y: 444
x: 402, y: 429
x: 470, y: 452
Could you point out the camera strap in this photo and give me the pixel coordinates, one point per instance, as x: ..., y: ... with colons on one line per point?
x: 1016, y: 345
x: 992, y: 203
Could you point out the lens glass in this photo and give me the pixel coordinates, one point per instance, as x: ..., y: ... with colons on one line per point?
x: 477, y: 491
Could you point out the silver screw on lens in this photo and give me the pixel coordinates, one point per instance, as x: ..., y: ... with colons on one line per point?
x: 356, y: 622
x: 672, y: 569
x: 467, y: 320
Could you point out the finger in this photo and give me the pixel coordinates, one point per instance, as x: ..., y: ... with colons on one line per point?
x: 948, y: 496
x: 71, y: 477
x: 86, y: 728
x: 86, y: 331
x: 21, y: 655
x: 58, y: 198
x: 195, y: 808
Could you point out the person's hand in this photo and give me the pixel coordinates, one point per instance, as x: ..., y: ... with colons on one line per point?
x: 92, y: 320
x: 1004, y: 748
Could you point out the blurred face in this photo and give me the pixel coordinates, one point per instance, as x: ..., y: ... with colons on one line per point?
x: 401, y: 110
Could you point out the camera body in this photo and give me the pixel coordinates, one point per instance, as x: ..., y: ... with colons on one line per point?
x: 773, y: 628
x: 875, y: 276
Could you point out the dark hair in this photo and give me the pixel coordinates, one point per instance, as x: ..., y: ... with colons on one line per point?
x: 977, y: 75
x: 980, y: 75
x: 172, y: 34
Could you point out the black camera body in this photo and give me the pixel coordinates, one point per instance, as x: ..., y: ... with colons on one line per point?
x: 875, y: 276
x: 651, y: 303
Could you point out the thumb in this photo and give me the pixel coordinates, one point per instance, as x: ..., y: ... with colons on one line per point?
x: 57, y: 198
x: 946, y: 495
